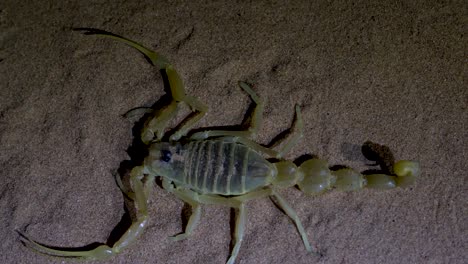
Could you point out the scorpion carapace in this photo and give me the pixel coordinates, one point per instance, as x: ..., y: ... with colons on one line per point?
x: 223, y: 167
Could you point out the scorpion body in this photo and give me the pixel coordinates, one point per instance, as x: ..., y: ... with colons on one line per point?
x: 213, y: 166
x: 223, y: 167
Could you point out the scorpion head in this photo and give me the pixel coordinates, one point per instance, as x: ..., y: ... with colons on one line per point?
x: 165, y: 159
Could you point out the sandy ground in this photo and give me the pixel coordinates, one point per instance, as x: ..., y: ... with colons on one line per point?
x: 391, y: 73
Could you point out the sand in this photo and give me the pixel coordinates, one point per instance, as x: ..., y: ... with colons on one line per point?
x: 391, y: 73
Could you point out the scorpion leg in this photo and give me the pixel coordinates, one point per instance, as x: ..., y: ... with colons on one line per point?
x: 282, y: 204
x: 296, y: 129
x: 251, y: 131
x: 104, y: 251
x: 191, y: 198
x: 296, y: 133
x: 238, y: 203
x: 241, y: 219
x: 293, y: 215
x: 253, y: 145
x: 195, y: 199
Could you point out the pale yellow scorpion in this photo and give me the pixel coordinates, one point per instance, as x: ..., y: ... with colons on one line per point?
x: 223, y: 167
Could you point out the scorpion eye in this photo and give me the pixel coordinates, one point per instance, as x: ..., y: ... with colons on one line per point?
x: 166, y: 155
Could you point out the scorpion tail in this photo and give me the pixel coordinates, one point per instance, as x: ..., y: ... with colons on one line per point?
x: 317, y: 178
x: 314, y: 175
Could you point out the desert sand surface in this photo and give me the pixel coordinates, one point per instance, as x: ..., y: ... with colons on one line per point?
x: 390, y: 72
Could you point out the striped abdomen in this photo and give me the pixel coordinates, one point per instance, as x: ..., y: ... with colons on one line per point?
x: 219, y: 167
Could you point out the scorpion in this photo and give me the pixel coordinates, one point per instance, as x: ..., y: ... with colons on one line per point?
x: 222, y: 167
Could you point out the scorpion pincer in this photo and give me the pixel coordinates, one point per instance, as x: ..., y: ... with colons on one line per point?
x: 224, y: 168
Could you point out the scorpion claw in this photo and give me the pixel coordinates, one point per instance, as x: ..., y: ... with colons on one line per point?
x: 99, y: 253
